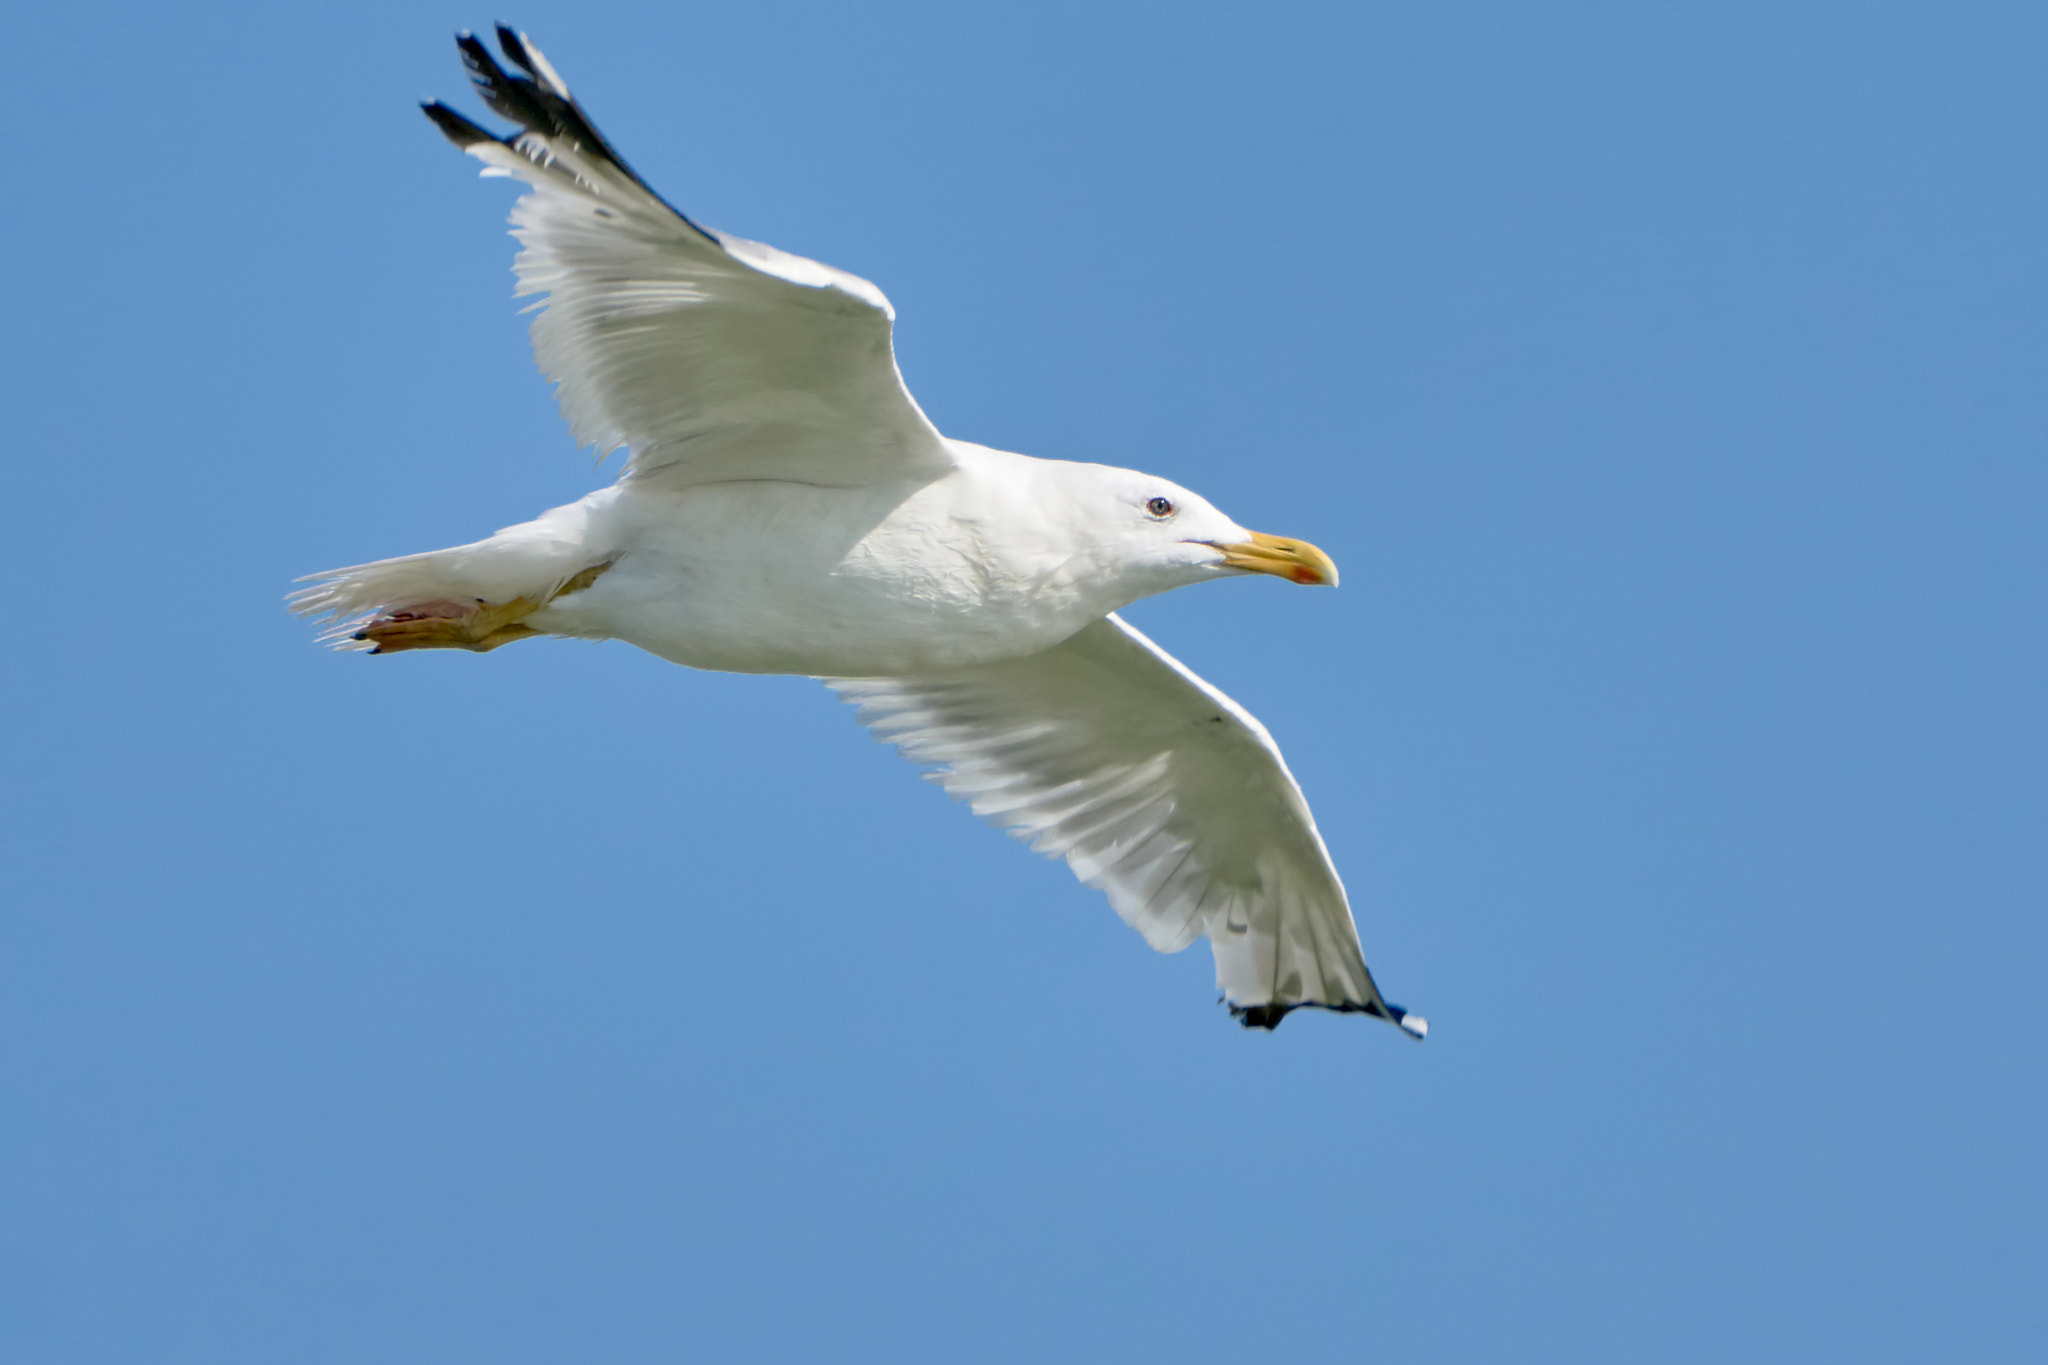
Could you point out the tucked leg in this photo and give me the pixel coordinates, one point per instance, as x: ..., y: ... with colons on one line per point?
x: 476, y: 625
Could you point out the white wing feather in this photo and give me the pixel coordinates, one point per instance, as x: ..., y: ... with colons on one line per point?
x: 708, y: 356
x: 1156, y: 789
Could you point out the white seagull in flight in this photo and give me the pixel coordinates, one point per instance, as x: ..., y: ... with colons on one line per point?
x: 786, y: 507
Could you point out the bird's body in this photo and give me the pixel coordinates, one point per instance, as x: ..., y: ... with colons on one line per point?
x: 787, y: 508
x: 768, y: 576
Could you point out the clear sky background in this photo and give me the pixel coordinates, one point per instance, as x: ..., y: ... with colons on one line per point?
x: 1668, y: 381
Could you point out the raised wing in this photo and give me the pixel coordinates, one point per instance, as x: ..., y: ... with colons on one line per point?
x: 1159, y: 791
x: 709, y: 357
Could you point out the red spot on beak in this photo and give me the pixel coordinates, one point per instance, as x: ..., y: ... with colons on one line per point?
x: 1305, y: 576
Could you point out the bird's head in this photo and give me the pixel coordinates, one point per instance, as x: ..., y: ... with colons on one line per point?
x: 1162, y: 536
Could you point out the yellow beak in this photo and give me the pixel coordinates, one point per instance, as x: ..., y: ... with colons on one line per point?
x: 1295, y: 560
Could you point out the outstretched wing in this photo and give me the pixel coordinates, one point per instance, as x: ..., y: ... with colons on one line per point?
x: 1156, y: 789
x: 710, y: 357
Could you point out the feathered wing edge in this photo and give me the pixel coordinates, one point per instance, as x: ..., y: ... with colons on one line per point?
x: 1091, y: 752
x: 615, y: 260
x: 539, y: 102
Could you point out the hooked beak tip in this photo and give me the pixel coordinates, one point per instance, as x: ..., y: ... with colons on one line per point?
x: 1297, y: 561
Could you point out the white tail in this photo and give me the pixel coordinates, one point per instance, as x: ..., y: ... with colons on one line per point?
x: 533, y: 559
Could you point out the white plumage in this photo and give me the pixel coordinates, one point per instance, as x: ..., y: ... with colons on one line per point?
x: 787, y: 508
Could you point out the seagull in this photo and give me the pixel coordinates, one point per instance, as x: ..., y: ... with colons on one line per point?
x: 786, y: 507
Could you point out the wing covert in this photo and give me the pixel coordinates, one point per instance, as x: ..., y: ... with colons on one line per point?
x: 1156, y: 789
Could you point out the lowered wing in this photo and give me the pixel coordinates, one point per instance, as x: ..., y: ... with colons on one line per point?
x: 1159, y: 791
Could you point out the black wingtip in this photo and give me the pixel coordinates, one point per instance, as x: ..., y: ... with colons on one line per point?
x: 1268, y: 1017
x: 528, y: 100
x: 454, y: 126
x: 512, y: 97
x: 514, y: 48
x: 537, y: 101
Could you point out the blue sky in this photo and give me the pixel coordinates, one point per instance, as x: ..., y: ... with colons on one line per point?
x: 1667, y: 381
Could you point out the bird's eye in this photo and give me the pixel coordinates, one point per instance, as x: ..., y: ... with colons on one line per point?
x: 1160, y: 507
